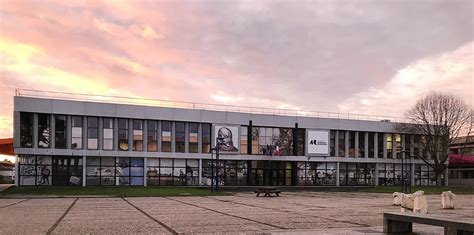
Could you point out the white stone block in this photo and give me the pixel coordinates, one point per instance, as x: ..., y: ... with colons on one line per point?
x: 447, y: 200
x: 407, y: 201
x: 420, y: 203
x: 397, y: 198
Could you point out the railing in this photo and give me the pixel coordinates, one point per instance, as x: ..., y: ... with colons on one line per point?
x: 200, y: 106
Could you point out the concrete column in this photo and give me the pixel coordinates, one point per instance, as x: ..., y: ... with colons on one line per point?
x: 130, y: 134
x: 200, y: 171
x: 100, y: 133
x: 337, y: 173
x: 145, y: 167
x: 346, y: 144
x: 17, y: 170
x: 376, y: 145
x: 376, y: 174
x: 84, y: 167
x: 173, y: 142
x: 186, y: 137
x: 16, y: 129
x: 159, y: 136
x: 145, y: 136
x: 356, y: 143
x: 68, y: 131
x: 199, y: 143
x: 115, y: 141
x: 385, y: 145
x: 336, y: 144
x: 366, y: 145
x: 52, y: 131
x: 35, y: 130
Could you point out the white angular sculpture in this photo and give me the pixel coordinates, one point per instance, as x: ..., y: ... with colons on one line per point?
x: 407, y: 201
x: 420, y: 203
x: 397, y: 198
x: 447, y: 200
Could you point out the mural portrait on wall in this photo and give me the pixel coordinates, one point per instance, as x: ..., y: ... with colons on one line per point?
x: 227, y: 138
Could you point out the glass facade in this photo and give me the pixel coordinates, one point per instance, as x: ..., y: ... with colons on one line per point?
x: 76, y: 140
x: 108, y: 133
x: 332, y: 143
x: 391, y: 174
x: 167, y: 171
x: 92, y: 132
x: 193, y: 137
x: 342, y: 143
x: 152, y: 136
x: 352, y: 143
x: 316, y: 173
x: 60, y: 131
x: 137, y: 135
x: 356, y: 174
x: 206, y: 138
x: 272, y: 141
x: 179, y: 137
x: 165, y: 136
x: 26, y: 130
x: 371, y: 145
x: 43, y: 131
x: 123, y: 134
x: 380, y: 140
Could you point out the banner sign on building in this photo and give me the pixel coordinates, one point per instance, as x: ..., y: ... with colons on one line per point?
x: 317, y: 142
x: 228, y: 138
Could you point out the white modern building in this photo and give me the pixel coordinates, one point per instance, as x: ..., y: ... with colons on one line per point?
x: 78, y: 140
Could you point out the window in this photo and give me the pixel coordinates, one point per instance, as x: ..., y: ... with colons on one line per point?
x: 351, y: 144
x: 164, y: 171
x: 243, y: 139
x: 179, y: 136
x: 380, y: 139
x: 92, y: 132
x: 389, y: 140
x: 361, y: 144
x: 342, y: 143
x: 108, y: 133
x: 123, y: 134
x: 152, y: 136
x: 26, y: 130
x: 76, y: 140
x: 398, y: 142
x: 43, y: 131
x: 332, y: 143
x: 371, y: 145
x: 130, y: 171
x: 193, y: 137
x: 60, y: 131
x: 165, y: 136
x: 206, y: 138
x: 137, y: 135
x: 316, y: 173
x: 407, y: 140
x: 416, y: 146
x: 356, y: 174
x: 272, y: 141
x: 100, y: 171
x: 34, y: 170
x: 300, y: 142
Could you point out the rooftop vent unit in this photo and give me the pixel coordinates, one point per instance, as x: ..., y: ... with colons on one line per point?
x: 385, y: 120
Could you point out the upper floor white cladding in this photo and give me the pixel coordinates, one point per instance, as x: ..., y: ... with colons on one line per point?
x: 64, y: 127
x: 83, y: 108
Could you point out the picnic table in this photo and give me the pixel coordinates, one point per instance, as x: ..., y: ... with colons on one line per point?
x: 268, y: 191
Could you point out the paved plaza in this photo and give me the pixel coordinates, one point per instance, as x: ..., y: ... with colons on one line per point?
x: 292, y: 213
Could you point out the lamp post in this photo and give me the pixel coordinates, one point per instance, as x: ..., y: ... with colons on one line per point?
x: 216, y: 148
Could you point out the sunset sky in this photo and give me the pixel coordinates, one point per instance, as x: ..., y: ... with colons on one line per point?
x: 369, y: 57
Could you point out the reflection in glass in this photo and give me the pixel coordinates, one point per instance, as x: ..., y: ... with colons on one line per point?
x: 108, y: 133
x: 76, y: 137
x: 60, y: 131
x: 26, y: 130
x: 166, y: 136
x: 43, y: 131
x: 92, y: 132
x: 123, y: 134
x: 193, y: 137
x: 137, y: 135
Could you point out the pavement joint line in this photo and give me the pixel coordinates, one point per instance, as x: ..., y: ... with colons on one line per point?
x: 14, y: 203
x: 50, y: 230
x: 223, y: 213
x: 151, y: 217
x: 281, y: 210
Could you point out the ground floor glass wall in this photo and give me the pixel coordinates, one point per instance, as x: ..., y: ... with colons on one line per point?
x: 111, y: 171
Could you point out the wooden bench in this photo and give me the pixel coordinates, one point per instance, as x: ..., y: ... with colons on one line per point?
x: 267, y: 192
x: 398, y: 222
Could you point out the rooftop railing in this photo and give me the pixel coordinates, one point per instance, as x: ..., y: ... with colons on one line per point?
x: 200, y: 106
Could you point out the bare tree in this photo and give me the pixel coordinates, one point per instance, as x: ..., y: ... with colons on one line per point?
x: 440, y: 118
